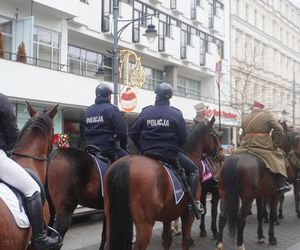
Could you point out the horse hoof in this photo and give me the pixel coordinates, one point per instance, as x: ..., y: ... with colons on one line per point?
x: 242, y: 247
x: 191, y: 242
x: 280, y: 216
x: 298, y: 214
x: 276, y: 222
x: 261, y: 240
x: 266, y: 221
x: 219, y: 246
x: 203, y: 233
x: 273, y: 241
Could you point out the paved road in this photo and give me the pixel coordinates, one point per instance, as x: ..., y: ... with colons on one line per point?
x: 86, y: 236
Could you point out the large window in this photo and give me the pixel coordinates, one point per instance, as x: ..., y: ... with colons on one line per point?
x: 46, y: 46
x: 188, y: 88
x: 84, y: 62
x: 6, y: 31
x: 153, y: 78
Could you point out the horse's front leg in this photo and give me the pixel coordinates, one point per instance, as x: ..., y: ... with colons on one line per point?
x: 273, y: 217
x: 222, y: 223
x: 260, y: 216
x: 167, y: 235
x: 280, y: 215
x: 296, y: 197
x: 203, y: 232
x: 187, y: 220
x: 214, y: 212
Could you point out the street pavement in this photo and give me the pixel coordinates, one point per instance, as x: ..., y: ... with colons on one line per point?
x: 87, y: 235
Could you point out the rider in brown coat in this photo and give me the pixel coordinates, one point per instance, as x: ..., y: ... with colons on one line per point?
x: 257, y: 127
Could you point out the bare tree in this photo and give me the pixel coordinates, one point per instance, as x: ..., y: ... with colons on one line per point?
x: 245, y: 69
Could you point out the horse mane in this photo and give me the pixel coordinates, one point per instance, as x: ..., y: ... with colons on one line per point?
x: 40, y: 123
x: 195, y: 135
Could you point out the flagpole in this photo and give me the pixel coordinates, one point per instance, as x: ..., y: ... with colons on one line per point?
x: 219, y: 98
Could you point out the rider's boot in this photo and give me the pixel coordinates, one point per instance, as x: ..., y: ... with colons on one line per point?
x: 35, y: 214
x: 193, y: 182
x: 282, y: 184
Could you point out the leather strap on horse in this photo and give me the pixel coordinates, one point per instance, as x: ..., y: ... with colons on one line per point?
x: 252, y: 120
x: 257, y: 134
x: 30, y: 156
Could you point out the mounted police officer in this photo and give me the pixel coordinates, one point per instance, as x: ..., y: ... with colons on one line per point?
x: 14, y: 175
x: 256, y: 139
x: 104, y: 125
x: 160, y: 131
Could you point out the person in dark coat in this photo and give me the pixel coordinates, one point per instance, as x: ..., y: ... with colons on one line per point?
x: 160, y: 131
x: 14, y: 175
x: 104, y: 125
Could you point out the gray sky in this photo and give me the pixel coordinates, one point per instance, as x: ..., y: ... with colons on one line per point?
x: 296, y: 2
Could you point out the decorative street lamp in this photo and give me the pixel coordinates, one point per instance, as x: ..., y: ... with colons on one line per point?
x: 151, y: 34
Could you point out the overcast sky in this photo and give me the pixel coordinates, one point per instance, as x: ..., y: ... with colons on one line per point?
x: 296, y: 2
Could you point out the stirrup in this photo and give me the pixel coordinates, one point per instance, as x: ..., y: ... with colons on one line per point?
x: 200, y: 207
x: 285, y: 188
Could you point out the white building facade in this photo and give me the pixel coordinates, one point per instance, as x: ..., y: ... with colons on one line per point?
x: 67, y: 41
x: 265, y: 64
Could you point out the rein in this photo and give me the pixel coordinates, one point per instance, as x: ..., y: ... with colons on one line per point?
x: 30, y: 156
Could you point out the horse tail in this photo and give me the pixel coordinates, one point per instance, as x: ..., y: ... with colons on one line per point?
x: 121, y: 224
x: 231, y: 185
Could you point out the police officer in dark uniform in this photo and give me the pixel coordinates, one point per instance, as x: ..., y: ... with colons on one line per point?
x: 160, y: 131
x: 104, y: 125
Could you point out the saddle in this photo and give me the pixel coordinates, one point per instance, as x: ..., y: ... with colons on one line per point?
x: 98, y: 153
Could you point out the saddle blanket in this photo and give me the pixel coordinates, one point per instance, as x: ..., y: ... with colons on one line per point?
x: 12, y: 202
x: 102, y: 167
x: 206, y: 172
x: 177, y: 186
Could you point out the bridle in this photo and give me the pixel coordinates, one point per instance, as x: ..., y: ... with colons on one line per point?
x: 216, y: 152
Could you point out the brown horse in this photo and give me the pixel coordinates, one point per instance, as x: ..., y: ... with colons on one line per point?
x: 245, y: 177
x: 138, y: 190
x: 72, y: 178
x: 31, y: 150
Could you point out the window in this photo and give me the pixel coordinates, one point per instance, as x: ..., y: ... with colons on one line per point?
x: 238, y: 7
x: 152, y: 78
x: 172, y: 4
x: 46, y: 47
x: 84, y: 1
x: 255, y: 18
x: 188, y: 88
x: 263, y: 23
x: 247, y: 13
x: 6, y: 31
x: 106, y: 11
x: 84, y: 62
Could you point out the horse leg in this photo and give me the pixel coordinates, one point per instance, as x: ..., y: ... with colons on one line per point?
x: 167, y: 235
x: 222, y: 223
x: 260, y: 216
x: 203, y: 232
x: 103, y: 235
x: 273, y: 216
x: 280, y: 215
x: 143, y: 235
x: 187, y: 220
x: 214, y: 212
x: 296, y: 198
x: 244, y: 211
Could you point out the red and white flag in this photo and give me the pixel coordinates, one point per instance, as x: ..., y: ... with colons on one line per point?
x: 218, y: 67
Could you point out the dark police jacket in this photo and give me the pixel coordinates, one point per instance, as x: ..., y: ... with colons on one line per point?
x: 104, y: 124
x: 159, y: 129
x: 9, y: 131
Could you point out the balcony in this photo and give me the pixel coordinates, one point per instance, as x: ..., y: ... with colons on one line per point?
x: 210, y: 63
x: 59, y: 9
x: 200, y: 16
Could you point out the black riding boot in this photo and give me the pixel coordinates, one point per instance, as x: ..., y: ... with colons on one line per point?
x: 282, y: 184
x: 35, y: 214
x: 193, y: 181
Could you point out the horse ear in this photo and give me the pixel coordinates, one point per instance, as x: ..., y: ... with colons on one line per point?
x: 53, y: 111
x: 30, y: 109
x: 212, y: 121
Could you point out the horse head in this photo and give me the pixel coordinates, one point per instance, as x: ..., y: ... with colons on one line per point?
x: 202, y: 138
x: 288, y: 138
